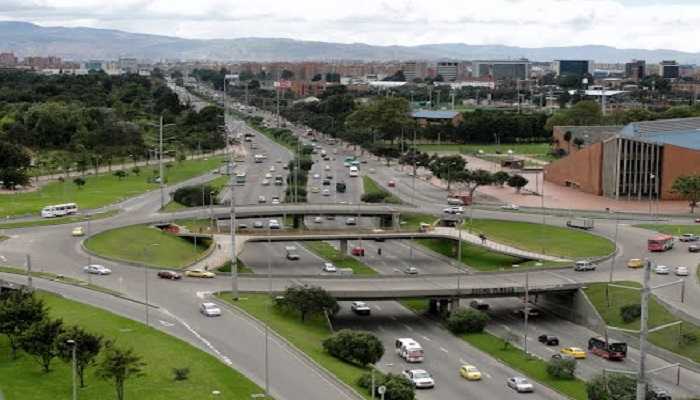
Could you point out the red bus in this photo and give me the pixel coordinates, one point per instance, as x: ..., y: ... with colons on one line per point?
x: 609, y: 349
x: 660, y: 243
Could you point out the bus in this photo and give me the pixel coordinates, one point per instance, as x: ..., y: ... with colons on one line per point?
x: 610, y: 349
x: 240, y: 178
x: 660, y: 243
x: 59, y: 210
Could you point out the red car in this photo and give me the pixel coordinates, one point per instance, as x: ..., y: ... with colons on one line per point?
x: 358, y: 251
x: 697, y: 220
x: 391, y: 183
x: 169, y: 275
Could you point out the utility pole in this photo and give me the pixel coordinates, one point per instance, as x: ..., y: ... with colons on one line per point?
x: 234, y: 261
x: 643, y: 332
x: 527, y: 309
x: 161, y: 178
x: 278, y: 106
x: 29, y: 272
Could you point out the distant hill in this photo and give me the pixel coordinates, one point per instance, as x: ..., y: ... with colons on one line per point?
x: 26, y: 39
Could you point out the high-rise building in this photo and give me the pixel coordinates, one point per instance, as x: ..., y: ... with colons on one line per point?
x: 501, y: 69
x: 93, y: 65
x: 449, y: 70
x: 413, y: 70
x: 43, y: 62
x: 8, y: 60
x: 129, y: 65
x: 577, y: 68
x: 669, y: 69
x: 636, y: 70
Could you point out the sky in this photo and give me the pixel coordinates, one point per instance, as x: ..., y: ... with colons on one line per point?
x: 646, y: 24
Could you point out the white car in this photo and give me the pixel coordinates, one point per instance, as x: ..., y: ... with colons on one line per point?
x: 350, y: 221
x: 326, y: 192
x: 315, y: 189
x: 272, y: 168
x: 275, y: 200
x: 328, y: 267
x: 662, y: 270
x: 360, y: 308
x: 273, y: 224
x: 96, y: 269
x: 682, y: 271
x: 210, y: 309
x: 454, y: 210
x: 510, y: 207
x: 318, y: 220
x: 420, y: 378
x: 262, y: 199
x: 327, y: 168
x: 317, y: 176
x: 265, y: 182
x: 520, y: 384
x: 268, y: 176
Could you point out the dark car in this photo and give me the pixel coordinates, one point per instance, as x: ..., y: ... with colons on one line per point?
x: 340, y: 187
x: 694, y: 248
x: 326, y: 182
x: 656, y: 393
x: 479, y: 305
x: 169, y: 275
x: 533, y: 312
x: 548, y: 340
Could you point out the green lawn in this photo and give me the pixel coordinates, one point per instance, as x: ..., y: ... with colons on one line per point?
x: 517, y: 148
x: 554, y: 240
x: 671, y: 229
x: 22, y: 379
x: 658, y: 315
x: 135, y: 244
x: 370, y: 186
x: 217, y: 183
x: 480, y: 258
x: 306, y: 336
x: 196, y: 225
x: 58, y: 221
x: 328, y: 252
x: 101, y: 190
x: 534, y: 368
x: 413, y: 221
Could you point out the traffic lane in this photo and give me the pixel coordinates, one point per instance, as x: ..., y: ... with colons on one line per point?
x: 570, y: 334
x: 444, y: 354
x: 397, y: 255
x: 257, y: 256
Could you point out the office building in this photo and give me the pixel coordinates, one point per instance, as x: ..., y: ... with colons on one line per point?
x: 449, y: 70
x: 636, y: 70
x: 8, y: 60
x: 669, y: 70
x: 501, y: 69
x: 578, y: 68
x: 413, y: 70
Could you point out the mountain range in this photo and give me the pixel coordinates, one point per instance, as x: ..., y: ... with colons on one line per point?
x: 27, y: 39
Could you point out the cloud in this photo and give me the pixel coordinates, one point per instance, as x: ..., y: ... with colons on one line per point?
x: 532, y: 23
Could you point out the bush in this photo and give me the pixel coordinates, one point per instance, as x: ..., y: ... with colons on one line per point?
x: 307, y: 301
x: 397, y: 387
x: 195, y: 196
x: 374, y: 197
x: 611, y: 386
x: 181, y: 374
x: 355, y: 347
x: 467, y: 320
x: 561, y: 368
x: 688, y: 338
x: 630, y: 312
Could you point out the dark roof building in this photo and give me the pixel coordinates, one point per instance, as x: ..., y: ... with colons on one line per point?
x: 425, y: 117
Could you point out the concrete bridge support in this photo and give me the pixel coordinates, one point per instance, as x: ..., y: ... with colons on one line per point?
x: 344, y: 246
x: 298, y: 221
x: 396, y: 221
x: 442, y: 307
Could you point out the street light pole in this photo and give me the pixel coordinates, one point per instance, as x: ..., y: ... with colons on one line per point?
x: 161, y: 178
x: 643, y: 331
x: 74, y: 367
x: 527, y: 308
x: 267, y: 311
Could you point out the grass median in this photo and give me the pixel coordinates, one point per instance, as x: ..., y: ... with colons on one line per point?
x: 684, y: 341
x: 671, y: 229
x: 539, y: 238
x: 102, y: 189
x: 59, y: 221
x: 307, y: 337
x: 517, y: 148
x: 372, y: 190
x: 22, y: 378
x: 216, y: 184
x: 330, y: 253
x: 147, y: 245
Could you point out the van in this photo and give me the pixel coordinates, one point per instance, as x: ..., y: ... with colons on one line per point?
x: 354, y: 171
x: 409, y: 350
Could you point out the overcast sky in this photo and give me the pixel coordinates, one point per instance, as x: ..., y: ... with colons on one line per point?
x: 648, y: 24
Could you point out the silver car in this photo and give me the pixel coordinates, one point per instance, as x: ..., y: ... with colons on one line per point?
x: 97, y: 269
x: 520, y: 384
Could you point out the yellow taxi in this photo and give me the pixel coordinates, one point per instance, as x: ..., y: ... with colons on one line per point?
x: 635, y: 263
x: 575, y: 352
x: 78, y: 231
x: 470, y: 373
x: 199, y: 273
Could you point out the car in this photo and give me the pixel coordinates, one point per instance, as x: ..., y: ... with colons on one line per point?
x: 662, y: 270
x: 420, y: 378
x: 575, y: 352
x: 292, y: 256
x: 275, y: 200
x: 330, y: 217
x: 278, y: 161
x: 357, y: 251
x: 584, y: 266
x: 285, y: 166
x: 273, y: 224
x: 657, y: 393
x: 262, y: 199
x: 315, y: 189
x: 268, y: 176
x: 327, y: 168
x: 210, y: 310
x: 326, y: 192
x: 391, y: 183
x: 520, y: 384
x: 265, y: 182
x: 697, y: 220
x: 411, y: 270
x: 510, y: 207
x: 350, y: 221
x: 242, y: 226
x: 78, y: 231
x: 479, y: 305
x: 317, y: 176
x: 329, y: 177
x: 272, y: 168
x: 199, y: 273
x: 318, y: 220
x: 635, y: 263
x: 97, y: 269
x: 694, y: 248
x: 172, y: 275
x: 469, y: 372
x: 548, y: 340
x: 688, y: 237
x: 326, y: 182
x: 328, y: 267
x: 681, y: 271
x: 258, y: 224
x: 532, y: 312
x: 360, y: 308
x: 454, y: 210
x: 346, y: 163
x: 560, y: 356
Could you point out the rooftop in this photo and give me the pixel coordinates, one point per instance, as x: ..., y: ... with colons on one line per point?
x: 428, y: 114
x: 681, y: 132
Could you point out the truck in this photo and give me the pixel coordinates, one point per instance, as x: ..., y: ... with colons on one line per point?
x: 459, y: 199
x: 580, y: 223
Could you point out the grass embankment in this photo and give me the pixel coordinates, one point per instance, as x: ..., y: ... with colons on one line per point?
x: 471, y: 149
x: 534, y: 368
x: 671, y: 229
x: 59, y: 221
x: 22, y: 379
x: 372, y: 190
x: 330, y: 253
x: 102, y: 189
x: 217, y: 184
x: 242, y: 268
x: 671, y: 339
x: 306, y: 336
x: 57, y: 278
x: 147, y: 245
x: 553, y: 240
x: 3, y: 237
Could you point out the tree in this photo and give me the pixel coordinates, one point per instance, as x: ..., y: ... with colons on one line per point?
x: 14, y: 163
x: 561, y: 368
x: 630, y: 312
x: 118, y: 365
x: 500, y: 178
x: 308, y: 300
x: 385, y: 117
x: 136, y: 170
x: 447, y: 168
x: 355, y: 347
x: 688, y: 186
x: 18, y: 311
x: 473, y: 179
x: 87, y: 347
x: 467, y: 320
x: 120, y: 174
x: 79, y: 182
x: 578, y: 142
x: 40, y: 341
x: 611, y: 387
x: 567, y: 139
x: 397, y: 386
x: 518, y: 182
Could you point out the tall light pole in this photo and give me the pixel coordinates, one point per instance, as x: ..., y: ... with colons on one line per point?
x: 145, y: 282
x: 232, y: 215
x: 74, y: 367
x: 161, y: 178
x: 267, y: 311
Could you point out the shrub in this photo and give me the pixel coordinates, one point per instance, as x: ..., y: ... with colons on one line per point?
x: 307, y: 301
x: 181, y: 374
x: 688, y: 338
x: 630, y: 312
x: 195, y: 196
x: 355, y: 347
x: 374, y: 197
x: 561, y: 368
x: 467, y: 320
x: 397, y: 387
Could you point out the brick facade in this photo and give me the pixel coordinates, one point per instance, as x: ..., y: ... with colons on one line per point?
x: 581, y: 170
x: 677, y: 161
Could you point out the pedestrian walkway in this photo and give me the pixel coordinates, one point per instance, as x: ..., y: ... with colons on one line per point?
x: 221, y: 252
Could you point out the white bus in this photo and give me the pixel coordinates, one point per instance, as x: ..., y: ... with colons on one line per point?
x: 409, y: 350
x: 240, y: 178
x: 59, y: 210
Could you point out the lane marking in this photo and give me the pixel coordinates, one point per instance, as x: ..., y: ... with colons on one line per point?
x: 201, y: 338
x: 377, y: 307
x: 444, y: 350
x: 426, y: 338
x: 166, y: 323
x: 202, y: 295
x: 408, y: 327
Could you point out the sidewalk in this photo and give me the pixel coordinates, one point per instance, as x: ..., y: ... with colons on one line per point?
x: 221, y: 252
